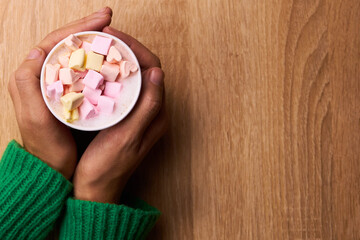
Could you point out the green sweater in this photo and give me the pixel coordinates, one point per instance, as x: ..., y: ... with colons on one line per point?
x: 33, y: 196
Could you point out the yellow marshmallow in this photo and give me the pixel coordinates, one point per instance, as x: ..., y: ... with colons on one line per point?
x: 75, y: 114
x: 77, y: 60
x: 66, y: 114
x: 72, y: 100
x: 71, y: 116
x: 94, y: 61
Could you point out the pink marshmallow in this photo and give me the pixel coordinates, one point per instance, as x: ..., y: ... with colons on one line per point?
x: 68, y: 76
x: 112, y: 89
x: 81, y: 74
x: 91, y: 94
x: 110, y: 71
x: 114, y: 55
x: 126, y: 67
x: 101, y: 45
x: 107, y: 63
x: 50, y: 92
x: 86, y: 109
x: 106, y: 105
x: 93, y: 79
x: 86, y: 46
x: 133, y: 67
x: 77, y: 86
x: 64, y: 61
x: 51, y: 73
x: 55, y: 90
x: 66, y: 89
x: 72, y: 42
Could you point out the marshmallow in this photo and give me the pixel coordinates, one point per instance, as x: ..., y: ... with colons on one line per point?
x: 72, y: 42
x: 110, y: 71
x: 106, y: 105
x: 86, y: 46
x: 72, y: 100
x: 66, y: 89
x: 75, y: 114
x: 55, y: 90
x: 64, y: 61
x: 77, y: 60
x: 87, y: 110
x: 109, y: 64
x: 66, y: 53
x: 133, y: 67
x: 77, y: 86
x: 126, y: 67
x: 114, y: 55
x: 112, y: 89
x: 91, y: 94
x: 81, y: 74
x: 66, y: 114
x: 101, y: 45
x: 94, y: 61
x: 51, y: 73
x: 93, y: 79
x: 70, y: 116
x: 68, y: 76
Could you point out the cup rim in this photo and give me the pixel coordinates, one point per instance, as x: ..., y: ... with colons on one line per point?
x: 86, y: 128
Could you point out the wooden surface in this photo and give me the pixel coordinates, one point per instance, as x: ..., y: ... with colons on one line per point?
x: 265, y: 108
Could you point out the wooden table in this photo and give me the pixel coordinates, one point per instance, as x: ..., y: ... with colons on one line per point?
x: 264, y: 102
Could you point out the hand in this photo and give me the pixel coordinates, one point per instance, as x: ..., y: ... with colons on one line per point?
x: 115, y: 153
x: 42, y: 134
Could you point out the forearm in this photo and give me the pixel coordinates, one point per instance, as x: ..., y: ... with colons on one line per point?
x: 93, y: 220
x: 32, y: 195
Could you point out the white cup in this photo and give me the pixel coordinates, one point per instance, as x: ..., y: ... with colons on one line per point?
x: 124, y: 103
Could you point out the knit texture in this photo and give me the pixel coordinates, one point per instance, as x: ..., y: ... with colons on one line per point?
x: 32, y: 195
x: 93, y: 220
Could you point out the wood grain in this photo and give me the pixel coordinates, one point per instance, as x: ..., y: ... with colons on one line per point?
x: 264, y: 101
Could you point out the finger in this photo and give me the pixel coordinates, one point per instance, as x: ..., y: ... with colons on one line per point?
x: 148, y: 105
x: 146, y: 58
x: 105, y: 10
x: 27, y: 77
x: 94, y: 22
x: 155, y: 131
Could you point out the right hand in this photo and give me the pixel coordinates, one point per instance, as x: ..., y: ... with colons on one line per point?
x: 115, y: 153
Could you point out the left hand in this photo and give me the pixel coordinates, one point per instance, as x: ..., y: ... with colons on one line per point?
x: 42, y: 134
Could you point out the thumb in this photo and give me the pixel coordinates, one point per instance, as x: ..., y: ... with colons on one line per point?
x: 149, y: 103
x: 27, y: 75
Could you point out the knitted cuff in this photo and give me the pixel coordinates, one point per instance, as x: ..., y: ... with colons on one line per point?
x: 32, y: 195
x: 93, y: 220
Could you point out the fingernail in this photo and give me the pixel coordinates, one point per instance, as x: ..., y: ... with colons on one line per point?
x: 34, y: 53
x: 156, y: 77
x: 102, y: 10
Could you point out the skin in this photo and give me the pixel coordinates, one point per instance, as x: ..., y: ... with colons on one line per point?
x: 114, y: 153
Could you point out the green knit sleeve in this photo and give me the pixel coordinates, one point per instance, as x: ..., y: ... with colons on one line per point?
x: 32, y: 195
x: 93, y: 220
